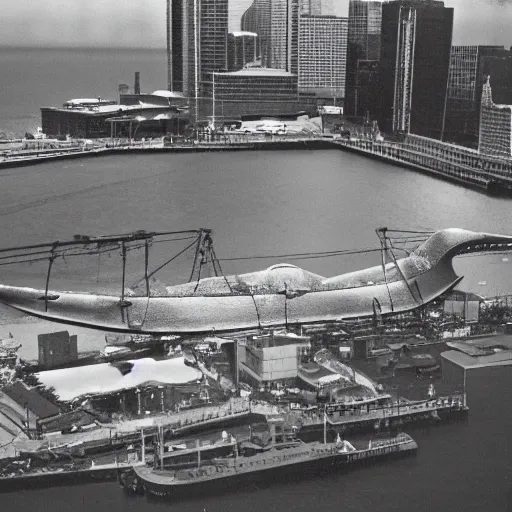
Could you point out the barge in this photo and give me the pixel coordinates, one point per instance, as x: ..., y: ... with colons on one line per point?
x: 249, y: 465
x: 61, y: 476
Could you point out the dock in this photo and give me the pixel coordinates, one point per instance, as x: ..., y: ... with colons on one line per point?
x: 457, y: 164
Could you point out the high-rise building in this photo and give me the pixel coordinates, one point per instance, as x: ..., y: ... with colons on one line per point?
x: 175, y: 35
x: 241, y: 49
x: 415, y: 58
x: 323, y: 55
x: 257, y: 19
x: 495, y: 137
x: 311, y: 7
x: 327, y: 7
x: 284, y: 18
x: 277, y: 24
x: 465, y: 83
x: 363, y: 55
x: 499, y: 67
x: 205, y: 37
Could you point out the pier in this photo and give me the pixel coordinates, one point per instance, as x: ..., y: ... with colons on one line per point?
x: 348, y: 417
x: 447, y: 161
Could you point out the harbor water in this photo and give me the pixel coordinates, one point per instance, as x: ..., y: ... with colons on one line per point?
x: 268, y: 203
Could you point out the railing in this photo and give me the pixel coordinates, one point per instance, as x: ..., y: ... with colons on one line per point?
x: 448, y: 159
x: 389, y: 411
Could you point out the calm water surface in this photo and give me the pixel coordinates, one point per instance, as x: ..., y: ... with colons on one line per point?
x: 256, y: 203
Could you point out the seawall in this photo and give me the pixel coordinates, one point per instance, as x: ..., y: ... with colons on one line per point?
x: 472, y: 178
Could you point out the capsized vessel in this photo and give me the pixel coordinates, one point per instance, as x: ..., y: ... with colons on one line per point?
x: 282, y: 294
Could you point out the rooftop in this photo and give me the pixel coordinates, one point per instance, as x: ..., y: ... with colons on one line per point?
x: 256, y: 72
x: 31, y: 400
x: 101, y: 379
x: 241, y: 33
x: 468, y: 362
x: 108, y: 109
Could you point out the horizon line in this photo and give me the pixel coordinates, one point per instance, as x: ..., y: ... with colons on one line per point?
x: 81, y: 47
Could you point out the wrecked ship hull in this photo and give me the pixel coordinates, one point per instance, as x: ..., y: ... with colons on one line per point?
x: 412, y: 282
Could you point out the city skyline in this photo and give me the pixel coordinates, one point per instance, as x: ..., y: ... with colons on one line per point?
x: 141, y: 23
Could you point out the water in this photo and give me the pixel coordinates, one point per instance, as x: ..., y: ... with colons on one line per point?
x: 34, y: 78
x: 261, y: 203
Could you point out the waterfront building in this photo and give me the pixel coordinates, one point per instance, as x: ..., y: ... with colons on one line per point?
x: 253, y: 91
x: 26, y: 407
x: 241, y: 49
x: 465, y: 83
x: 363, y: 54
x: 141, y: 115
x: 322, y: 55
x: 414, y: 63
x: 274, y: 358
x: 495, y: 126
x: 57, y: 348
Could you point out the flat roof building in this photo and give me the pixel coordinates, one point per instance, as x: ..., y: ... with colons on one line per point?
x: 323, y: 54
x: 149, y: 114
x: 273, y: 358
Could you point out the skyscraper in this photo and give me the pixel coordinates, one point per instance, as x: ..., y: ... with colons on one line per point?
x: 310, y: 7
x: 465, y: 82
x: 199, y: 42
x: 277, y: 24
x: 322, y: 55
x: 284, y: 34
x: 495, y: 137
x: 257, y: 19
x: 363, y: 54
x: 175, y: 35
x: 241, y: 49
x: 414, y: 64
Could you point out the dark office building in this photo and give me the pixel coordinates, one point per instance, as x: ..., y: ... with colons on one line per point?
x: 499, y: 68
x: 415, y: 59
x: 57, y: 348
x: 363, y: 54
x: 257, y: 19
x: 469, y: 66
x: 206, y: 41
x: 175, y: 35
x: 241, y: 49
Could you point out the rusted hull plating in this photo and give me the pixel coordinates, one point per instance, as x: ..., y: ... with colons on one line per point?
x: 424, y: 275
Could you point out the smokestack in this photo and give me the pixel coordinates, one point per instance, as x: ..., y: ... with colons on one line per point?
x: 136, y: 87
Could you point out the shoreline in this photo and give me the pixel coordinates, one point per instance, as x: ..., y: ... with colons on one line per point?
x: 480, y: 184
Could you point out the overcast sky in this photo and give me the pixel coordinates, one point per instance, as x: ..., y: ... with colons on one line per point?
x: 141, y: 23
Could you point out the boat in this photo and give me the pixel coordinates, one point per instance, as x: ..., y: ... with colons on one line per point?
x: 283, y: 294
x: 248, y: 465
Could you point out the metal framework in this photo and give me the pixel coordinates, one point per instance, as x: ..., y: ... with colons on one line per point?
x: 406, y: 42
